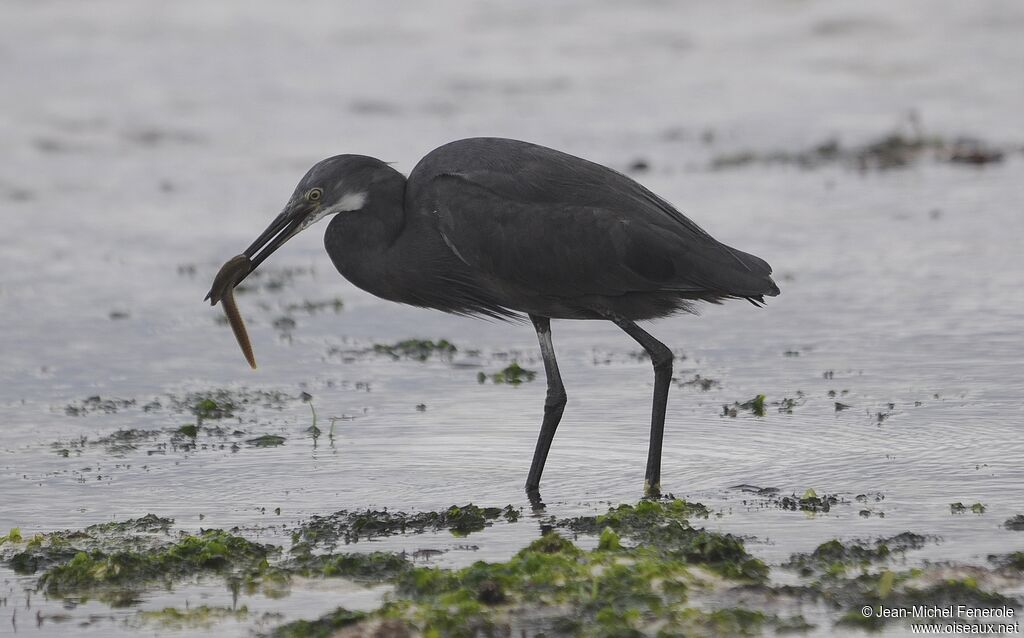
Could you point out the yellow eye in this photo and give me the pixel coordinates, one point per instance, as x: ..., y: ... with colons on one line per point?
x: 314, y: 195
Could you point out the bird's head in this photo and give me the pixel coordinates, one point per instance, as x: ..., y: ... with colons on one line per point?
x: 338, y: 184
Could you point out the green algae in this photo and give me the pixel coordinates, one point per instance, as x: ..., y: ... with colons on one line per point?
x: 417, y: 349
x: 98, y: 404
x: 266, y: 440
x: 701, y: 383
x: 604, y: 588
x: 635, y: 519
x: 313, y: 307
x: 844, y: 581
x: 124, y: 441
x: 637, y: 581
x: 835, y: 558
x: 894, y: 150
x: 609, y: 540
x: 371, y: 568
x: 755, y: 406
x: 960, y: 508
x: 514, y: 374
x: 201, y: 617
x: 733, y: 621
x: 647, y: 561
x: 37, y: 556
x: 651, y: 573
x: 665, y: 525
x: 808, y: 502
x: 221, y: 403
x: 208, y: 408
x: 351, y: 526
x: 1015, y: 523
x: 187, y: 438
x: 13, y: 536
x: 322, y: 627
x: 147, y: 523
x: 43, y: 551
x: 1013, y: 560
x: 210, y: 551
x: 787, y: 404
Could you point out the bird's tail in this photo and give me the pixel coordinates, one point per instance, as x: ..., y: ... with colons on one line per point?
x: 757, y: 280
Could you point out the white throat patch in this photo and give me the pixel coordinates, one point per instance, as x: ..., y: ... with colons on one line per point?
x: 350, y: 202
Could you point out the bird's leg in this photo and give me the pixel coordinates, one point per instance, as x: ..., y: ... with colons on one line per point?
x: 554, y: 404
x: 661, y: 357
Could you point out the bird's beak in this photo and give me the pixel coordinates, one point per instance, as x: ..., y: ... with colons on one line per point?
x: 284, y: 227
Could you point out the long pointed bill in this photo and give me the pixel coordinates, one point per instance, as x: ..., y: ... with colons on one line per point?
x: 284, y: 227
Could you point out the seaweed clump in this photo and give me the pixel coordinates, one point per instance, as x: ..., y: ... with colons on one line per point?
x: 1015, y: 523
x: 639, y: 579
x: 210, y: 551
x: 417, y: 349
x: 98, y: 404
x: 895, y: 150
x: 664, y: 526
x: 1013, y: 560
x: 369, y: 568
x: 200, y: 617
x: 42, y: 551
x: 351, y: 526
x: 324, y: 626
x: 960, y: 508
x: 835, y: 557
x: 755, y: 406
x: 514, y: 374
x: 808, y: 502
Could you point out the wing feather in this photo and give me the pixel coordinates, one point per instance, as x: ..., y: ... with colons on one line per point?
x: 568, y: 227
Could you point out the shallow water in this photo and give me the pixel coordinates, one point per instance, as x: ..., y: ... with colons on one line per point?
x: 144, y: 144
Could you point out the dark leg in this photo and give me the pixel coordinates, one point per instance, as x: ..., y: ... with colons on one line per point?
x: 554, y: 404
x: 661, y: 357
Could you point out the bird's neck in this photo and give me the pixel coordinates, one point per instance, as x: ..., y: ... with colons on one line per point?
x: 359, y: 241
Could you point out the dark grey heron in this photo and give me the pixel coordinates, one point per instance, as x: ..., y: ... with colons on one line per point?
x: 500, y: 228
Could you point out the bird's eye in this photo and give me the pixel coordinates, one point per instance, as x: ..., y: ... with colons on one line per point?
x: 314, y: 195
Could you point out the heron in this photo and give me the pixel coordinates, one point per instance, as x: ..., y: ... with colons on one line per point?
x: 504, y: 229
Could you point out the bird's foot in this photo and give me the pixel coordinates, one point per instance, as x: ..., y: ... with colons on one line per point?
x: 652, y: 490
x: 533, y: 494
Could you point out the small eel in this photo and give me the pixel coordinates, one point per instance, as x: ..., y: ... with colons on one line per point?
x: 223, y: 290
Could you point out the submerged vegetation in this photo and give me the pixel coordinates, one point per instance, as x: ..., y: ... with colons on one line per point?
x: 647, y: 564
x: 201, y: 617
x: 836, y: 557
x: 352, y: 526
x: 809, y: 501
x: 418, y: 349
x: 97, y: 404
x: 898, y: 149
x: 209, y: 551
x: 1016, y: 523
x: 960, y: 508
x: 514, y: 374
x: 649, y: 571
x: 699, y: 382
x: 755, y: 406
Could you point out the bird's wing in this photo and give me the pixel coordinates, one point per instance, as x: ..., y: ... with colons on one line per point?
x: 564, y: 226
